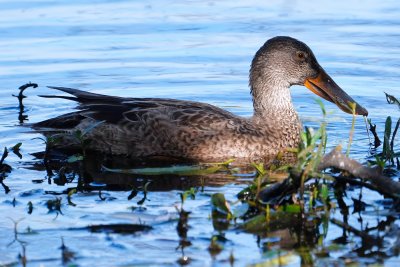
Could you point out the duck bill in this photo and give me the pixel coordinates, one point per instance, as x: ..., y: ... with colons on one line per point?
x: 325, y: 87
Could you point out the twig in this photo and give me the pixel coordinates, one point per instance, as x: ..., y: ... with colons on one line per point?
x: 21, y: 96
x: 392, y: 100
x: 366, y: 127
x: 22, y: 88
x: 336, y: 159
x: 372, y: 128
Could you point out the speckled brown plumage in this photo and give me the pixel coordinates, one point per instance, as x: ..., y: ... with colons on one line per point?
x: 193, y: 131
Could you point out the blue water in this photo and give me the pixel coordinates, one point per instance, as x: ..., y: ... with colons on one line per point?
x: 194, y: 50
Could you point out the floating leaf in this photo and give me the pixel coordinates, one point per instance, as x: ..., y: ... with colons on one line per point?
x: 172, y: 170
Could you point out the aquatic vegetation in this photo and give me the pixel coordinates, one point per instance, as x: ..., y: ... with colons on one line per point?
x: 281, y: 205
x: 188, y: 193
x: 388, y: 153
x: 298, y: 199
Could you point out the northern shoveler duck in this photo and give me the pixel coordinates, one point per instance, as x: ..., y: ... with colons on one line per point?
x: 198, y: 132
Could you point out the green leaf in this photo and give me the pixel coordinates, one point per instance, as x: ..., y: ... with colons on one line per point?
x: 191, y: 193
x: 259, y: 168
x: 292, y: 208
x: 219, y: 203
x: 175, y: 170
x: 324, y: 192
x: 316, y: 136
x: 386, y: 145
x: 380, y: 162
x: 321, y: 105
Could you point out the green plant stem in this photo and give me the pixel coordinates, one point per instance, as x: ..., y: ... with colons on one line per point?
x: 353, y: 122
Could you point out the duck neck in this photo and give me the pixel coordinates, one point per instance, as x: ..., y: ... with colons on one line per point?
x: 272, y: 100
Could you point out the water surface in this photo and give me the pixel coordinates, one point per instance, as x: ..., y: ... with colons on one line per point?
x: 194, y: 50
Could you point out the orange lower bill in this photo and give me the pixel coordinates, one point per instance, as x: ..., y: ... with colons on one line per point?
x: 325, y: 87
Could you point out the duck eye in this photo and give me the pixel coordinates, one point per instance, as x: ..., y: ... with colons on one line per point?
x: 300, y: 55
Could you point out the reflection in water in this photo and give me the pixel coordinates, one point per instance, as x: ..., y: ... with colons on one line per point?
x: 182, y: 229
x: 305, y: 233
x: 89, y: 170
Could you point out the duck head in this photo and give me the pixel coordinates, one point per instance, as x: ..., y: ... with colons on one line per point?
x: 284, y: 61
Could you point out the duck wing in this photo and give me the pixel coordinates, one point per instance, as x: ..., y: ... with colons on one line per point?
x: 135, y: 111
x: 83, y: 97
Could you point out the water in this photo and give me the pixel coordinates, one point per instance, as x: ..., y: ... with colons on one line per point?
x: 195, y: 50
